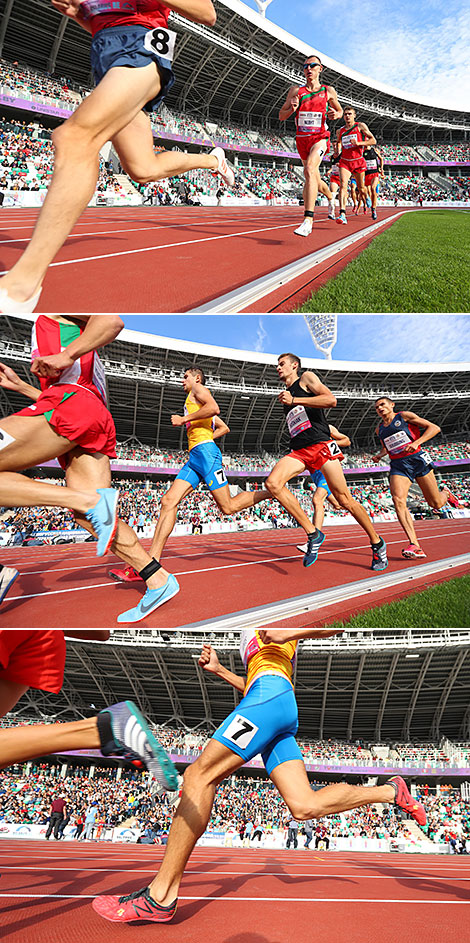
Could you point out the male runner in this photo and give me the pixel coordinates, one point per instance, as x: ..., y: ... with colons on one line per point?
x: 69, y: 420
x: 322, y: 490
x: 312, y: 447
x: 311, y: 104
x: 36, y: 658
x: 265, y: 722
x: 351, y: 141
x: 374, y: 170
x: 203, y: 426
x: 401, y: 437
x: 131, y: 53
x: 334, y: 183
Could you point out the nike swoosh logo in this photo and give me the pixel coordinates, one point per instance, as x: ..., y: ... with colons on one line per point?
x: 148, y: 607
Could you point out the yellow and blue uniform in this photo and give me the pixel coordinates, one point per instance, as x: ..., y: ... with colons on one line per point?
x: 205, y: 458
x: 320, y: 481
x: 266, y: 720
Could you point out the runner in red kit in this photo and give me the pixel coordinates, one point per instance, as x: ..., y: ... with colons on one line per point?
x: 69, y: 420
x: 311, y: 104
x: 131, y: 55
x: 350, y: 144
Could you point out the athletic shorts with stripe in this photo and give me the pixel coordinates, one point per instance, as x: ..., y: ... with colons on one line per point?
x: 265, y: 721
x: 205, y: 463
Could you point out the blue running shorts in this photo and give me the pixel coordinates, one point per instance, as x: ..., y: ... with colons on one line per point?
x: 265, y: 722
x: 320, y: 481
x: 205, y: 463
x: 413, y: 466
x: 124, y: 46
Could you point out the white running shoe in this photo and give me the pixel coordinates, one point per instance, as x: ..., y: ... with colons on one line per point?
x: 223, y: 168
x: 305, y: 228
x: 331, y: 210
x: 10, y: 306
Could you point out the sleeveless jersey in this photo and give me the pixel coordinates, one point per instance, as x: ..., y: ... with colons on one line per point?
x: 201, y: 430
x: 310, y: 117
x: 307, y: 425
x: 266, y: 659
x: 398, y: 434
x: 348, y: 138
x: 51, y: 337
x: 106, y: 13
x: 372, y: 160
x: 334, y: 170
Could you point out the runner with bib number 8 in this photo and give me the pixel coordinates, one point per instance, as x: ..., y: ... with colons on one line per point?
x: 312, y: 447
x: 131, y: 57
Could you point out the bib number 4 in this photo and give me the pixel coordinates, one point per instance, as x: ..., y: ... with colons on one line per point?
x: 161, y: 41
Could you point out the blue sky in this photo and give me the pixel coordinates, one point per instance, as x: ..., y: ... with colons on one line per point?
x: 420, y: 46
x: 389, y: 338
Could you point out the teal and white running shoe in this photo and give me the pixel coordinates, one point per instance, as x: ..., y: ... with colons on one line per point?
x: 152, y: 600
x: 124, y: 732
x: 104, y: 519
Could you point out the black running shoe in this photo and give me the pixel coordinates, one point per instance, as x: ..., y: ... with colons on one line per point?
x: 313, y: 545
x: 379, y: 556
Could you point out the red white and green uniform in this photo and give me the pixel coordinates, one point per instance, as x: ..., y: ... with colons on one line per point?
x: 310, y: 120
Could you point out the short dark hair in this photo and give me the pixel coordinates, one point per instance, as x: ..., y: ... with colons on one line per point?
x: 384, y: 397
x: 350, y: 108
x: 292, y: 357
x: 195, y: 369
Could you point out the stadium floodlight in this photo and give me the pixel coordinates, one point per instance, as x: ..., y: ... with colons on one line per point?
x: 323, y: 328
x: 262, y: 6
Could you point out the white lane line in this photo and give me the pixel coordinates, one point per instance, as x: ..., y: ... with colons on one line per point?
x: 261, y: 900
x: 250, y: 874
x: 213, y: 569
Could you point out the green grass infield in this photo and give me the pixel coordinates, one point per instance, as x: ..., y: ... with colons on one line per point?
x: 444, y: 606
x: 419, y: 264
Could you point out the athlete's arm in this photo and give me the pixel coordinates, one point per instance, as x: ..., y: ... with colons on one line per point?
x: 334, y: 108
x: 94, y: 635
x: 221, y: 428
x: 291, y: 103
x: 381, y: 161
x: 338, y: 436
x: 209, y: 660
x: 100, y: 329
x: 278, y: 636
x: 368, y: 139
x: 71, y: 8
x: 10, y: 380
x: 321, y: 398
x: 198, y: 11
x: 208, y: 407
x: 430, y: 430
x: 383, y: 450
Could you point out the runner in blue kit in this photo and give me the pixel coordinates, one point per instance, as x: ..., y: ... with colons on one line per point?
x: 265, y: 722
x: 402, y: 434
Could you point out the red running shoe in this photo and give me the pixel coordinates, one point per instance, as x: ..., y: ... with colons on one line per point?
x: 452, y: 498
x: 404, y: 800
x: 125, y: 574
x: 137, y: 906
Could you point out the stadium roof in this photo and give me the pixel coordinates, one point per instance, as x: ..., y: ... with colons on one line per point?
x: 388, y: 685
x: 144, y: 374
x: 237, y: 71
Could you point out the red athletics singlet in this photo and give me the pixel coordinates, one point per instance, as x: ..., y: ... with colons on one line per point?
x: 51, y: 337
x: 348, y: 138
x: 106, y: 13
x: 310, y: 117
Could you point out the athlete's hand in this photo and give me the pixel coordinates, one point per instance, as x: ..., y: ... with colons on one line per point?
x: 10, y: 380
x: 67, y: 7
x: 294, y: 102
x: 208, y: 659
x: 412, y: 447
x: 286, y: 398
x: 53, y: 365
x: 178, y: 420
x: 276, y: 636
x: 376, y: 458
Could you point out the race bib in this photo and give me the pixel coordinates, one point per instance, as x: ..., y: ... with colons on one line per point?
x: 240, y: 732
x: 220, y: 476
x: 371, y: 164
x: 310, y: 120
x: 90, y: 8
x: 334, y: 449
x: 397, y: 441
x: 99, y: 377
x: 297, y: 421
x: 161, y: 41
x: 427, y: 458
x: 349, y: 140
x: 5, y: 439
x: 249, y: 645
x: 335, y: 170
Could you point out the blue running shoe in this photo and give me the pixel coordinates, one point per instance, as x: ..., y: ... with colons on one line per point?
x: 104, y: 519
x: 8, y: 576
x: 379, y: 556
x: 152, y: 600
x: 124, y: 732
x: 313, y: 545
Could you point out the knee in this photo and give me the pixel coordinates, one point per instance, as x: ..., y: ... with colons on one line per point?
x: 168, y: 503
x: 274, y: 485
x: 400, y: 503
x: 70, y: 137
x: 345, y: 499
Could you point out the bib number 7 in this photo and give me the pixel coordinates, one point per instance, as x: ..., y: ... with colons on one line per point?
x: 240, y: 732
x: 161, y: 41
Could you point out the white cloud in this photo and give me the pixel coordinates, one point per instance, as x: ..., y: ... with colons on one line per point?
x: 261, y: 336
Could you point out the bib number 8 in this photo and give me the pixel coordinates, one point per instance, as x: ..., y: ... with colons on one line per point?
x: 162, y: 41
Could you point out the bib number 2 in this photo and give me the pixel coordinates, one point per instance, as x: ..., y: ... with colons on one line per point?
x: 161, y: 41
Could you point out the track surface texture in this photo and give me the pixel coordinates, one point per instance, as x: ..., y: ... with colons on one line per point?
x: 68, y: 587
x: 236, y: 896
x: 173, y: 259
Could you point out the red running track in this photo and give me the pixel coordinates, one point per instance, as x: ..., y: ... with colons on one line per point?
x: 68, y: 587
x: 169, y: 259
x: 236, y: 896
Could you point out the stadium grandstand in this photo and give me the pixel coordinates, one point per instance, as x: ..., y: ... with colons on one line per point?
x: 144, y: 374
